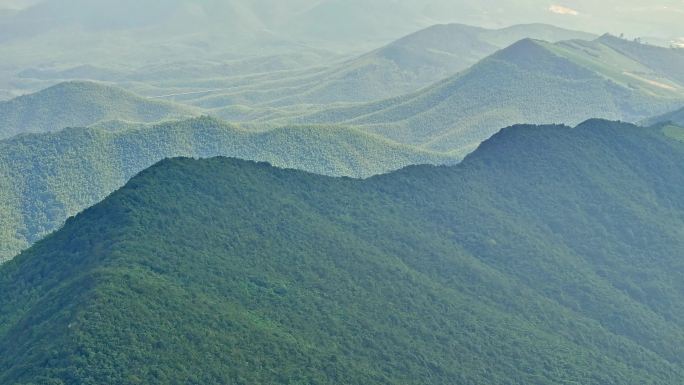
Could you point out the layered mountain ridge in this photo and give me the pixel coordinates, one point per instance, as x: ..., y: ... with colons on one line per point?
x: 549, y: 255
x: 45, y: 178
x: 530, y: 81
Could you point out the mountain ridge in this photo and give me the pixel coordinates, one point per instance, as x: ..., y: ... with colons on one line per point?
x: 438, y: 274
x: 676, y: 117
x: 45, y: 178
x: 530, y: 81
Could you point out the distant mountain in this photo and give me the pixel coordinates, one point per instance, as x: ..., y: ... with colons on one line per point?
x: 75, y: 104
x: 675, y: 132
x: 46, y: 178
x: 402, y: 66
x: 676, y: 117
x: 669, y: 63
x: 530, y: 81
x: 551, y: 255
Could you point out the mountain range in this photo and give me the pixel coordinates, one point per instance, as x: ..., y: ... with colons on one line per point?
x: 402, y: 66
x: 550, y: 255
x: 314, y: 192
x: 529, y: 81
x: 309, y: 77
x: 45, y: 178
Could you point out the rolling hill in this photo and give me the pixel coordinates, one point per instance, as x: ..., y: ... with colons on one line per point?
x: 74, y: 104
x: 45, y: 178
x: 529, y: 81
x: 551, y: 255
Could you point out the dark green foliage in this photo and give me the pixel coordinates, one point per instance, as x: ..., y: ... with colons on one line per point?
x: 551, y: 255
x: 530, y: 81
x: 76, y: 104
x: 45, y: 178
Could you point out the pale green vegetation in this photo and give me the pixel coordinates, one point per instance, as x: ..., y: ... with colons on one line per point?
x: 530, y: 81
x: 45, y: 178
x: 75, y: 104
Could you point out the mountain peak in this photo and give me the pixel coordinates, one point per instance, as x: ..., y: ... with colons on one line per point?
x: 523, y: 48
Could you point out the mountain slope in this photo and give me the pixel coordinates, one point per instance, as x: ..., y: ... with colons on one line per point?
x: 402, y: 66
x: 667, y: 62
x: 75, y: 104
x: 549, y: 256
x: 46, y: 178
x: 676, y: 117
x: 530, y: 81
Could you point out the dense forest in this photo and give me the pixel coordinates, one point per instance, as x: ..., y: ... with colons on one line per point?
x: 551, y: 255
x: 45, y: 178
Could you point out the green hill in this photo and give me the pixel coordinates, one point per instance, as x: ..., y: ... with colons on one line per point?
x: 549, y: 256
x: 530, y: 81
x: 45, y: 178
x: 75, y: 104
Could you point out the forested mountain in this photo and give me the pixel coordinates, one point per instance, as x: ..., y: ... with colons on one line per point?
x: 529, y: 81
x: 551, y: 255
x: 73, y: 104
x: 45, y: 178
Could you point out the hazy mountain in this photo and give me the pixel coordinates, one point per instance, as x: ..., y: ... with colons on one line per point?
x: 76, y: 104
x: 119, y: 32
x: 676, y: 117
x: 530, y: 81
x: 668, y: 63
x: 551, y: 255
x: 257, y: 82
x: 46, y: 178
x: 402, y: 66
